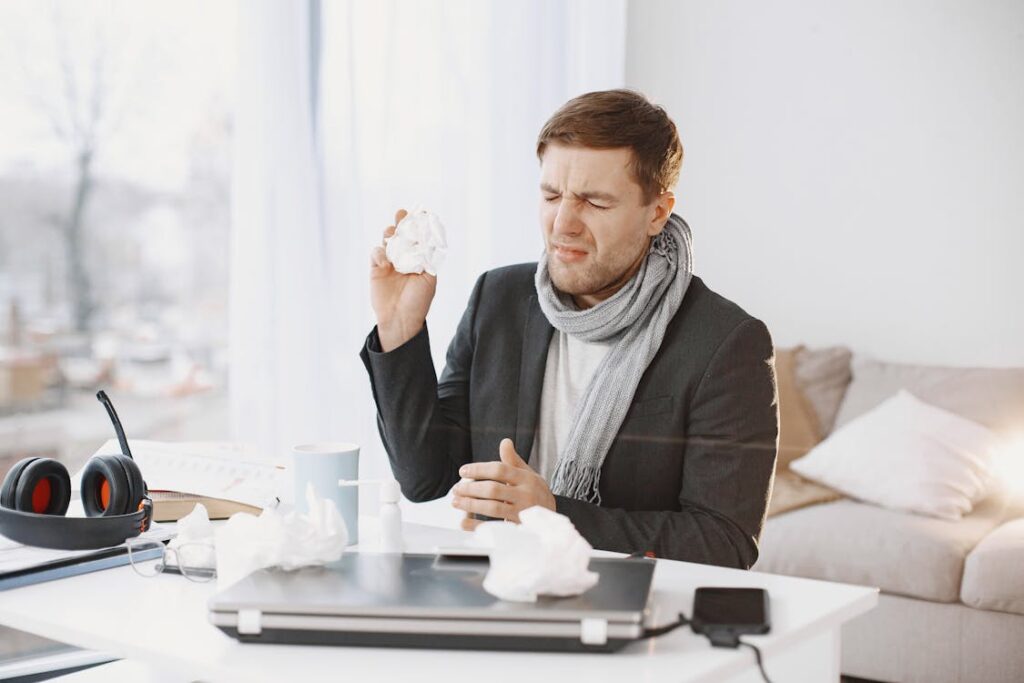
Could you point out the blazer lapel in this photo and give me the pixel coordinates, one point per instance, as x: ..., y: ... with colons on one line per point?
x: 536, y: 338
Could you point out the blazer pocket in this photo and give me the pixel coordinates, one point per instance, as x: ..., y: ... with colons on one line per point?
x: 651, y: 406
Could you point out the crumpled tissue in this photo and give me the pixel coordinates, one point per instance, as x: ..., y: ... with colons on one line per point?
x: 418, y: 244
x: 196, y: 531
x: 542, y: 555
x: 246, y: 543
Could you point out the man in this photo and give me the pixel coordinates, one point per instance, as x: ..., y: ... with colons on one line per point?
x: 604, y: 382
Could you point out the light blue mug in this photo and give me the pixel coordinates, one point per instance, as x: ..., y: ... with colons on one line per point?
x: 322, y: 465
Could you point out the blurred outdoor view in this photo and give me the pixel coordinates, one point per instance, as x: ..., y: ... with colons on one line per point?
x: 115, y: 176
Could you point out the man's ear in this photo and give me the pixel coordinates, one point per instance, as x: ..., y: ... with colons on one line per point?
x: 663, y: 205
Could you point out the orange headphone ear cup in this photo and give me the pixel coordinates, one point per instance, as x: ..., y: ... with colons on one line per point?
x: 105, y: 487
x: 43, y: 487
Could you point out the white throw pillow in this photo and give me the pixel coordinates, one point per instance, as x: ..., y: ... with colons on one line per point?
x: 907, y: 455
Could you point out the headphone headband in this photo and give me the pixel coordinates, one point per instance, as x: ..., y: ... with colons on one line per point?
x: 74, y: 533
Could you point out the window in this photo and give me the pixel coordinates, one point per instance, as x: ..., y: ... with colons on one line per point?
x: 115, y: 176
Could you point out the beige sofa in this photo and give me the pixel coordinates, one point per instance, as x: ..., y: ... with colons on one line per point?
x: 952, y: 603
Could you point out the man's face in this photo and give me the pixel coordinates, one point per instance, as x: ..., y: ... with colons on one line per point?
x: 596, y: 227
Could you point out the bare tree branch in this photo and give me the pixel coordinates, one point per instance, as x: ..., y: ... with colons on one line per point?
x: 69, y: 77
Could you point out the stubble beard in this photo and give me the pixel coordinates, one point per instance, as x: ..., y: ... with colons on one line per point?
x: 590, y: 277
x: 580, y: 279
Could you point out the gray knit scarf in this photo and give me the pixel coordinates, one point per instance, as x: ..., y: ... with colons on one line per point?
x: 634, y: 320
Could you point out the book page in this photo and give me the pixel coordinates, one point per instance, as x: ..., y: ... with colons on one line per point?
x: 212, y: 469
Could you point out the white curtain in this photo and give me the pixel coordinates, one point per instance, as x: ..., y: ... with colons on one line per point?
x: 434, y: 104
x: 278, y: 330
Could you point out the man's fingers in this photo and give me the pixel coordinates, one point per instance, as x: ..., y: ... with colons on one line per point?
x: 495, y: 471
x: 508, y: 455
x: 491, y: 508
x: 388, y: 232
x: 487, y: 490
x: 399, y: 215
x: 379, y: 258
x: 470, y: 524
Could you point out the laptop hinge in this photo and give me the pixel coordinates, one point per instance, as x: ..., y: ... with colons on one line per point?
x: 593, y: 631
x: 250, y: 622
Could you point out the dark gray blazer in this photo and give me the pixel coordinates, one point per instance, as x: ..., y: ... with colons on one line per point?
x: 687, y: 477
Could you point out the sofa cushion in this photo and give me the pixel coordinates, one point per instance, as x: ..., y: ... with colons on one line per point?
x: 798, y: 433
x: 905, y: 454
x: 994, y: 571
x: 852, y: 542
x: 990, y: 396
x: 798, y: 424
x: 822, y: 376
x: 790, y: 491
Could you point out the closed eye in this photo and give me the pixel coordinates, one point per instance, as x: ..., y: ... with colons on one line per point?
x: 551, y: 198
x: 598, y: 206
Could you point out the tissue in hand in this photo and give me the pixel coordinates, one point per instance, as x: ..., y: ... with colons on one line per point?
x: 418, y: 244
x: 247, y: 543
x: 543, y: 555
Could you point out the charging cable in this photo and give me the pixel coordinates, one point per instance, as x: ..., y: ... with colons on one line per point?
x: 667, y: 628
x: 719, y: 637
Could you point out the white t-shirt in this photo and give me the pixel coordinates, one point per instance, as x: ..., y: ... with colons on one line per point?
x: 570, y: 366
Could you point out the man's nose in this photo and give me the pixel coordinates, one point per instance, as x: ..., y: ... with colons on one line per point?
x: 567, y: 220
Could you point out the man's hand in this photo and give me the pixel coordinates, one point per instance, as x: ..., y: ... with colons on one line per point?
x: 500, y: 489
x: 399, y: 300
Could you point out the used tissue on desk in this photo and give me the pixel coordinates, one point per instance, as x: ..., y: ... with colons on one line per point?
x: 418, y: 244
x: 195, y: 531
x: 246, y: 543
x: 543, y: 555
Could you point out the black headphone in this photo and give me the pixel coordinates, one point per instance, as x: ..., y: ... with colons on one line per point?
x: 36, y: 492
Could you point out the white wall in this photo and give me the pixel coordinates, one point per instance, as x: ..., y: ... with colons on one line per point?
x: 854, y: 170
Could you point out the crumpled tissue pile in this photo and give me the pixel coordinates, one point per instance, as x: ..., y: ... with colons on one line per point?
x: 246, y: 542
x: 196, y: 531
x: 542, y: 555
x: 291, y: 540
x: 418, y: 245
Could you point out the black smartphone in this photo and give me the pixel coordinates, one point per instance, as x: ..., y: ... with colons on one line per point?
x: 732, y: 611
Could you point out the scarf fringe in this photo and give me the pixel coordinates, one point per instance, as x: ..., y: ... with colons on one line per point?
x: 576, y: 481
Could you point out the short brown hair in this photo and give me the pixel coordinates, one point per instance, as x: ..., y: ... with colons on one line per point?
x: 608, y: 119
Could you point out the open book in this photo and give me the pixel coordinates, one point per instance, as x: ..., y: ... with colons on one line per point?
x: 220, y: 475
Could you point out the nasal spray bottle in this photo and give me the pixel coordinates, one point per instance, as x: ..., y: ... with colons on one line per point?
x: 390, y: 513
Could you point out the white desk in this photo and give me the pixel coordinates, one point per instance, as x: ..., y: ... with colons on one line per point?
x: 162, y: 622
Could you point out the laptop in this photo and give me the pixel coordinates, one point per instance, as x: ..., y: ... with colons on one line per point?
x: 430, y: 601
